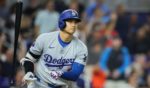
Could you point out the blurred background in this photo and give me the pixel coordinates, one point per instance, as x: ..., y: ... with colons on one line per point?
x: 116, y: 32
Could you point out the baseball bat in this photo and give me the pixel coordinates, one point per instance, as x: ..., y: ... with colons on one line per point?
x: 19, y: 5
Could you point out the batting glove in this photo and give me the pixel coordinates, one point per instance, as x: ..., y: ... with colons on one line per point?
x: 29, y: 78
x: 56, y: 74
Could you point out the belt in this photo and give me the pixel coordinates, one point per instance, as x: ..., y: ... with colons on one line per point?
x: 49, y: 85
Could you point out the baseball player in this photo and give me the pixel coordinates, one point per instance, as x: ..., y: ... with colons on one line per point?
x: 56, y: 59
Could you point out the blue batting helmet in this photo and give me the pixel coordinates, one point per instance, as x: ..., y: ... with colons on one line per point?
x: 67, y: 15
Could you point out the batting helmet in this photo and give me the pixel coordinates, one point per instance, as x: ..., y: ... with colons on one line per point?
x: 67, y: 15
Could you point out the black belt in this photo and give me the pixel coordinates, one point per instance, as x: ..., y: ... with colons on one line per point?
x: 49, y: 85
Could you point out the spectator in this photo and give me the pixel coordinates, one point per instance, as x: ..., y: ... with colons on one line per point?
x: 31, y: 10
x: 98, y: 78
x: 4, y: 13
x: 46, y: 19
x: 122, y: 23
x: 94, y: 44
x: 99, y: 3
x: 148, y: 81
x: 6, y: 68
x: 114, y: 62
x: 133, y: 26
x: 81, y: 32
x: 138, y: 66
x: 100, y: 34
x: 76, y: 5
x: 97, y: 17
x: 139, y: 43
x: 133, y: 79
x: 60, y: 5
x: 26, y: 32
x: 18, y: 78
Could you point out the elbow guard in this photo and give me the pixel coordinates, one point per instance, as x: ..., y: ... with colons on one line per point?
x: 27, y: 64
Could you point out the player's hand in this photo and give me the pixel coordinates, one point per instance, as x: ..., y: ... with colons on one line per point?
x: 29, y: 78
x: 56, y: 74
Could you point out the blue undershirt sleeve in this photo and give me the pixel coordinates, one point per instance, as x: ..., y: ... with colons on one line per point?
x: 74, y: 73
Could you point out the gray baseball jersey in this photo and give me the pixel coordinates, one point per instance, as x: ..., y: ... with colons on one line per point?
x: 55, y: 57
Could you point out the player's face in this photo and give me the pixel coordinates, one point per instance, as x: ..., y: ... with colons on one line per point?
x: 71, y: 26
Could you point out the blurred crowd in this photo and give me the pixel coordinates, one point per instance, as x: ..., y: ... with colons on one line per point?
x: 118, y: 41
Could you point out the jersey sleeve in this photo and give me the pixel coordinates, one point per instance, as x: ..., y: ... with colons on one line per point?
x: 35, y: 50
x: 82, y: 55
x: 37, y: 46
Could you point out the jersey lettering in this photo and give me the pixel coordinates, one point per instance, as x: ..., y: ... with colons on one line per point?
x: 57, y: 62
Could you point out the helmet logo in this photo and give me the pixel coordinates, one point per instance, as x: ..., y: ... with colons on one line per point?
x: 73, y: 13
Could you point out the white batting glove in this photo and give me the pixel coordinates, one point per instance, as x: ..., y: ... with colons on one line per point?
x: 56, y: 74
x: 29, y: 78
